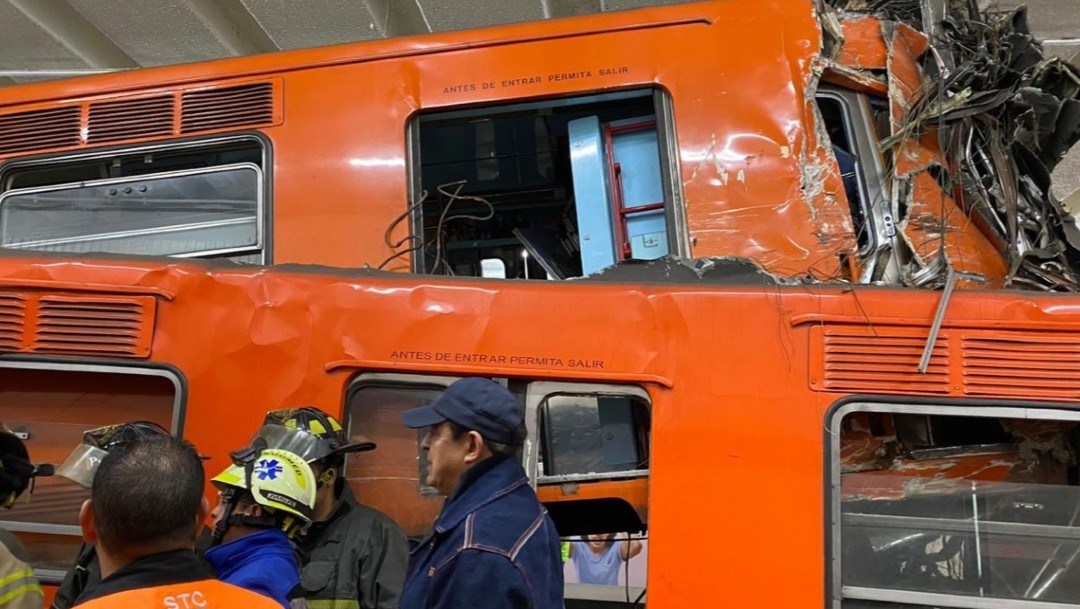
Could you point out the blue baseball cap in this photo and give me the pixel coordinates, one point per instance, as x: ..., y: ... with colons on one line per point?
x: 476, y: 404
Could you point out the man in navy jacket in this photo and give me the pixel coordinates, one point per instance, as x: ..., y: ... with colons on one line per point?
x: 494, y: 546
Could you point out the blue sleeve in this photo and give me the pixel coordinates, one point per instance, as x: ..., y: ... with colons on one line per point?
x: 271, y: 578
x: 480, y: 580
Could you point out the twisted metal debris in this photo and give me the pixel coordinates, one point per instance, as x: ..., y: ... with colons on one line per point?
x: 1003, y: 115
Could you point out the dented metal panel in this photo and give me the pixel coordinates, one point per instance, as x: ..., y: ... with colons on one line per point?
x: 979, y: 117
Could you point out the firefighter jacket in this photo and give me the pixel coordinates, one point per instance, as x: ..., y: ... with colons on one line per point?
x: 171, y: 580
x: 262, y: 562
x: 19, y: 588
x: 355, y: 559
x: 493, y: 547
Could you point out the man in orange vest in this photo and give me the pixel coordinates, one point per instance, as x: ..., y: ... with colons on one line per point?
x: 145, y: 508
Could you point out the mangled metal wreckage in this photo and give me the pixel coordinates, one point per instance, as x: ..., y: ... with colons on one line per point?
x: 978, y: 117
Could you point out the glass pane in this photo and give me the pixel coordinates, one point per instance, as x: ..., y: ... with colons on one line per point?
x: 54, y: 408
x: 390, y: 478
x: 961, y: 537
x: 163, y: 215
x: 590, y: 434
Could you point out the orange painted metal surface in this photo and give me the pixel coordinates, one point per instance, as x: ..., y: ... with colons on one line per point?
x: 739, y: 377
x: 750, y: 159
x: 738, y: 412
x: 863, y: 46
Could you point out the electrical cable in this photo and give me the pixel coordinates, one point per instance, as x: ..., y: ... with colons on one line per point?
x: 389, y: 229
x: 454, y: 197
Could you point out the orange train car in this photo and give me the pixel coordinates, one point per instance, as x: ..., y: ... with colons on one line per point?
x: 720, y: 423
x: 319, y: 151
x: 761, y: 410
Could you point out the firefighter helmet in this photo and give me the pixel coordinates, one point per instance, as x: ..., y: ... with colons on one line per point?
x: 17, y: 473
x: 278, y: 480
x: 310, y: 433
x: 83, y: 462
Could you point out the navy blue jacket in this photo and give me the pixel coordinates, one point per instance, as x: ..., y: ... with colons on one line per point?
x: 494, y: 547
x: 262, y: 562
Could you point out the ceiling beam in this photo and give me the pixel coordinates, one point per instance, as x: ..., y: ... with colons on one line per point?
x: 398, y: 17
x: 72, y: 30
x: 232, y: 24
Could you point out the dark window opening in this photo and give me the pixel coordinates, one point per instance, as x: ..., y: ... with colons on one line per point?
x: 544, y: 190
x: 839, y: 127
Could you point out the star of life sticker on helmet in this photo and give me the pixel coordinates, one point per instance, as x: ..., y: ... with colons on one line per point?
x: 268, y: 469
x: 280, y: 481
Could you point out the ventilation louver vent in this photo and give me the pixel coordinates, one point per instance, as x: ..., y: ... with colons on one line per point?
x: 61, y: 324
x: 12, y: 320
x: 172, y: 114
x: 858, y: 360
x: 227, y: 107
x: 1022, y: 365
x: 1010, y: 364
x: 40, y: 129
x: 129, y: 119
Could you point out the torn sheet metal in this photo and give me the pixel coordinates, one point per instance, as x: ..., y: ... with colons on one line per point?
x: 979, y: 118
x: 863, y: 47
x: 670, y: 269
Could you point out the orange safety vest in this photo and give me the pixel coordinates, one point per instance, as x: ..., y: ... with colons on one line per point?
x: 202, y: 594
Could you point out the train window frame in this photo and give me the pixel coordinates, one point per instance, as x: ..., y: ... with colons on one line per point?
x: 837, y: 592
x: 678, y: 233
x: 870, y: 174
x: 537, y: 393
x: 395, y: 381
x: 260, y: 253
x: 53, y: 576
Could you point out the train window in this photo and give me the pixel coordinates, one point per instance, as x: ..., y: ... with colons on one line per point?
x: 206, y: 200
x: 579, y: 434
x: 52, y: 407
x: 587, y: 434
x: 554, y: 189
x: 849, y: 123
x: 391, y: 477
x: 954, y: 507
x: 588, y: 453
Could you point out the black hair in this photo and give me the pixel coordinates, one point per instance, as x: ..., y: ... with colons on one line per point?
x: 147, y: 495
x: 498, y: 449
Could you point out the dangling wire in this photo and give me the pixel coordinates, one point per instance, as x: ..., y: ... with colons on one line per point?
x: 418, y: 241
x: 443, y: 218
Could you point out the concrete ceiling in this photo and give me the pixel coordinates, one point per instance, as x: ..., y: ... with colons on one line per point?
x: 43, y: 39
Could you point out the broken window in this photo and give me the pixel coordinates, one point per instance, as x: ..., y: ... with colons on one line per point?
x: 50, y: 407
x: 849, y: 122
x: 954, y: 507
x: 592, y: 435
x: 553, y: 189
x: 195, y: 200
x: 580, y: 435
